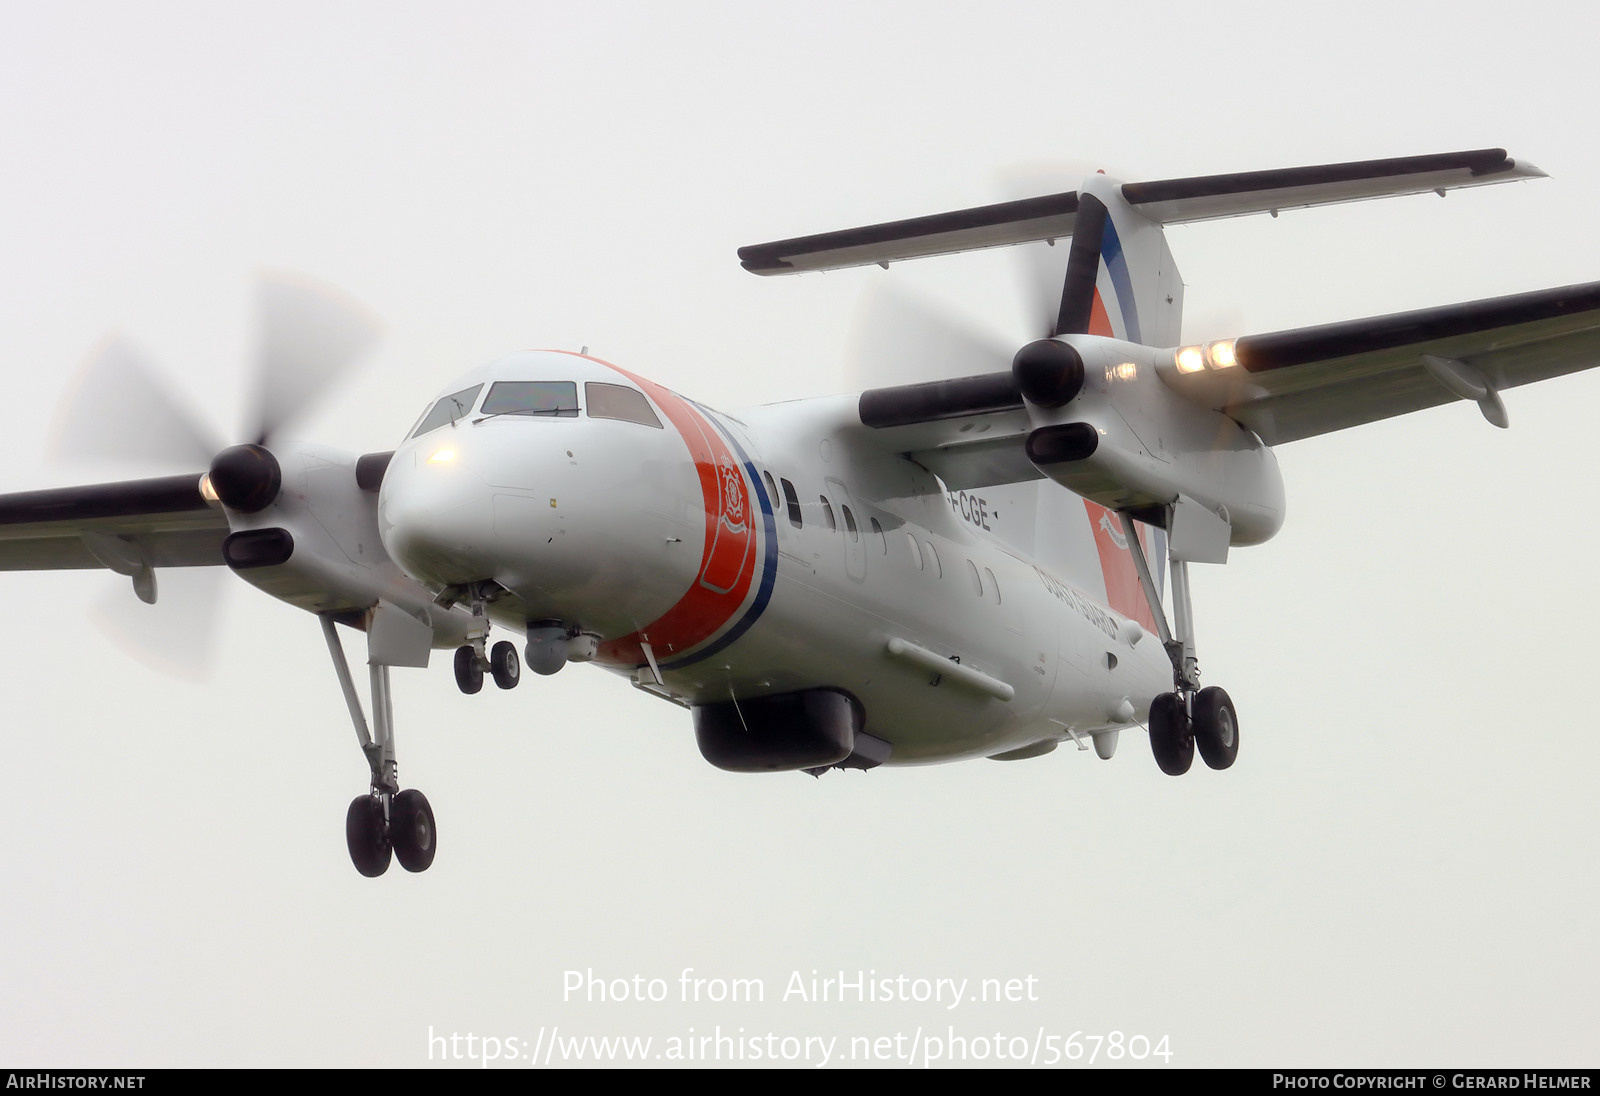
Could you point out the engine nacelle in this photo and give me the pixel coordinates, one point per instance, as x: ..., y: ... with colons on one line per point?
x: 1126, y: 440
x: 312, y: 541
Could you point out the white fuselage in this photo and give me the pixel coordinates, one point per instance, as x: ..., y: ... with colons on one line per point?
x: 777, y: 551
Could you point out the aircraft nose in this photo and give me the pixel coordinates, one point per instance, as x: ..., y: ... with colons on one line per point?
x: 436, y: 519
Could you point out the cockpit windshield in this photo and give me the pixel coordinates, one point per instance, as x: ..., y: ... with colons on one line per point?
x: 614, y: 401
x: 540, y: 399
x: 449, y: 409
x: 549, y: 398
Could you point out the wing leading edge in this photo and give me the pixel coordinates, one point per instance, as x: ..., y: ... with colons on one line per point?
x: 160, y: 522
x: 1314, y: 380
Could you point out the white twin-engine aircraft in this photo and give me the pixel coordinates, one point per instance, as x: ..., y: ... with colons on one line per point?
x: 957, y: 569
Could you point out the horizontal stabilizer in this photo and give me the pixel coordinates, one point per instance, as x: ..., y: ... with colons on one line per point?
x: 1018, y: 222
x: 1207, y: 197
x: 1165, y: 201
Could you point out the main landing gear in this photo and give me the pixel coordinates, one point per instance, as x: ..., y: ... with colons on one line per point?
x: 1189, y: 716
x: 1205, y: 720
x: 386, y: 822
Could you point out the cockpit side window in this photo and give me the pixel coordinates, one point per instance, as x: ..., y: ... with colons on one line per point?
x: 551, y: 399
x: 449, y: 409
x: 617, y: 401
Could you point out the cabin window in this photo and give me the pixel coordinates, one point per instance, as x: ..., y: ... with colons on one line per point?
x: 549, y: 399
x: 916, y: 552
x: 827, y: 514
x: 977, y: 580
x: 883, y: 541
x: 850, y: 523
x: 449, y: 409
x: 792, y: 502
x: 618, y: 401
x: 772, y: 489
x: 933, y: 558
x: 994, y: 584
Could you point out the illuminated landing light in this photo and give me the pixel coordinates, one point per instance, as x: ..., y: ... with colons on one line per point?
x: 208, y: 492
x: 443, y: 456
x: 1216, y: 355
x: 1220, y: 355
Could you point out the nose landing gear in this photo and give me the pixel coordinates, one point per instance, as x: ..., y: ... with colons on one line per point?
x: 473, y: 658
x: 501, y: 662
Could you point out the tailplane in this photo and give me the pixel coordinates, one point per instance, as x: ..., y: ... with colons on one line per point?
x: 1121, y: 279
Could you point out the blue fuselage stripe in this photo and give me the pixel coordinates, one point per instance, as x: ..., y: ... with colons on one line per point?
x: 769, y: 560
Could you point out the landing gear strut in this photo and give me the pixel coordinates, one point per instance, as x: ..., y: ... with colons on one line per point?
x: 386, y: 822
x: 1189, y: 716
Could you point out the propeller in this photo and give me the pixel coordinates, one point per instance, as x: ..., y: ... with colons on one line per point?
x: 1041, y: 268
x: 309, y: 337
x: 117, y: 409
x: 899, y: 340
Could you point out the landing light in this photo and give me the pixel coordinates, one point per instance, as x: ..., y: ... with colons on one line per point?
x: 208, y: 492
x: 1216, y: 355
x: 443, y: 456
x: 1219, y: 355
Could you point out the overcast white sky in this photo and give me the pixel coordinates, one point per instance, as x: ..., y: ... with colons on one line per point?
x: 1401, y: 869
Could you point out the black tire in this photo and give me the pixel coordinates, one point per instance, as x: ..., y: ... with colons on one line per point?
x: 414, y: 833
x: 1170, y: 738
x: 1216, y: 728
x: 505, y: 665
x: 469, y: 675
x: 364, y: 833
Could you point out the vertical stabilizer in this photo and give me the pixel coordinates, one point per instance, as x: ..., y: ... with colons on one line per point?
x: 1121, y: 278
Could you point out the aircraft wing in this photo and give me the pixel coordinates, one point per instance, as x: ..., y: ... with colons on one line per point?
x: 969, y: 431
x: 126, y: 527
x: 1287, y: 384
x: 1313, y: 380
